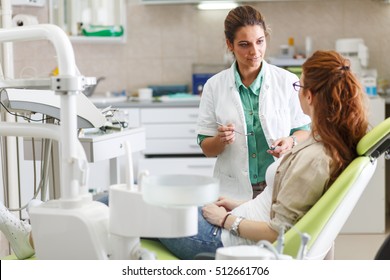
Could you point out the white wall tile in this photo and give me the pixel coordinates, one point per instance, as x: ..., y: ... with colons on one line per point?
x: 163, y: 41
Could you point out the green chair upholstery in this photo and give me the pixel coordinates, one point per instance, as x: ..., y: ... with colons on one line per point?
x: 13, y: 257
x: 154, y: 246
x: 158, y: 248
x: 320, y: 215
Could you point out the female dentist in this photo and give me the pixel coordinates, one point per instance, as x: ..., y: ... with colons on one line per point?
x: 249, y: 114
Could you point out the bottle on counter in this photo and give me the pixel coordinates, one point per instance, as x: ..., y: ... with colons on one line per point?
x: 291, y: 47
x: 308, y: 46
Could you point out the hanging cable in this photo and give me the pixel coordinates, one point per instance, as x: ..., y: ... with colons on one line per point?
x: 19, y: 115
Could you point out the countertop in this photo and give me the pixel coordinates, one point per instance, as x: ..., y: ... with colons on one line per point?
x: 387, y: 99
x: 155, y: 103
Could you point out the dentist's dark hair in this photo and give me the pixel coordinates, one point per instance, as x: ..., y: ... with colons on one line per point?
x: 339, y: 102
x: 240, y: 17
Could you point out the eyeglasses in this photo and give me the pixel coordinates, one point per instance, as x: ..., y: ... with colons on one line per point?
x: 297, y: 86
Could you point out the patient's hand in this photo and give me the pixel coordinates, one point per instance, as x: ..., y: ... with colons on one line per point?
x: 214, y: 214
x: 281, y: 146
x: 228, y: 203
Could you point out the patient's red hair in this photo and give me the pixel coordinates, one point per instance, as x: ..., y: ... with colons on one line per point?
x: 340, y: 115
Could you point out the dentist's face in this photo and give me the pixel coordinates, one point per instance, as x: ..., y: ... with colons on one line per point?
x: 249, y: 46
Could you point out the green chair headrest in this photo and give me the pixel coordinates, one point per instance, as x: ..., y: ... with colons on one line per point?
x: 374, y: 139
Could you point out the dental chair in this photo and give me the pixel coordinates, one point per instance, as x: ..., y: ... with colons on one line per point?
x: 324, y: 221
x: 326, y: 218
x: 384, y: 251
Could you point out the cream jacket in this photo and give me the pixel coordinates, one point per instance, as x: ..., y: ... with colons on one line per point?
x: 279, y: 112
x: 295, y: 183
x: 301, y: 179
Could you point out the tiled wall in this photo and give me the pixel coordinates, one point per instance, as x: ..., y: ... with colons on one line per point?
x: 164, y: 41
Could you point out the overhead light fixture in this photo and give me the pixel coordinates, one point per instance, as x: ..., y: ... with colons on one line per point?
x: 217, y: 5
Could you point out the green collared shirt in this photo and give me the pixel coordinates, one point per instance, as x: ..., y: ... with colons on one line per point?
x: 259, y: 159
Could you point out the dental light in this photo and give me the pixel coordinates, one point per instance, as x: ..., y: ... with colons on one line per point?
x: 47, y: 103
x: 217, y: 5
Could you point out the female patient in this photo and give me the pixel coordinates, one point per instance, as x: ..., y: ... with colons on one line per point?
x: 331, y: 95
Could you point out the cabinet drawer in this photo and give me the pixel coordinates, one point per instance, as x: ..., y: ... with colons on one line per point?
x: 112, y: 145
x: 169, y: 115
x: 132, y: 116
x: 171, y: 146
x: 172, y: 165
x: 170, y: 131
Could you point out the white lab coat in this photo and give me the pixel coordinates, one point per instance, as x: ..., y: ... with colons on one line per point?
x: 279, y: 112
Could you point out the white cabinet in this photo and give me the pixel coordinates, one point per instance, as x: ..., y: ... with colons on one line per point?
x: 171, y: 142
x: 170, y: 131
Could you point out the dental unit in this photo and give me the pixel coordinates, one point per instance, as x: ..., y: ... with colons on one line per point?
x: 74, y: 226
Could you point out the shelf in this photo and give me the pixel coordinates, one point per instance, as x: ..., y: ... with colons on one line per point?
x: 103, y: 40
x: 75, y: 14
x: 283, y: 62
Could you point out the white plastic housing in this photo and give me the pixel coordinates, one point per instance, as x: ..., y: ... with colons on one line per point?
x: 131, y: 216
x: 244, y: 252
x: 180, y: 190
x: 76, y: 233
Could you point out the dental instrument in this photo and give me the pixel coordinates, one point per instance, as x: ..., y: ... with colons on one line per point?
x: 305, y: 238
x: 242, y: 133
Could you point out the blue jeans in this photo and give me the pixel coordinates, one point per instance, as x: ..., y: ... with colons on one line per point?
x: 103, y: 199
x: 205, y: 241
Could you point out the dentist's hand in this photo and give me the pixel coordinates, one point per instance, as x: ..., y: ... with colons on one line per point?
x: 226, y: 133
